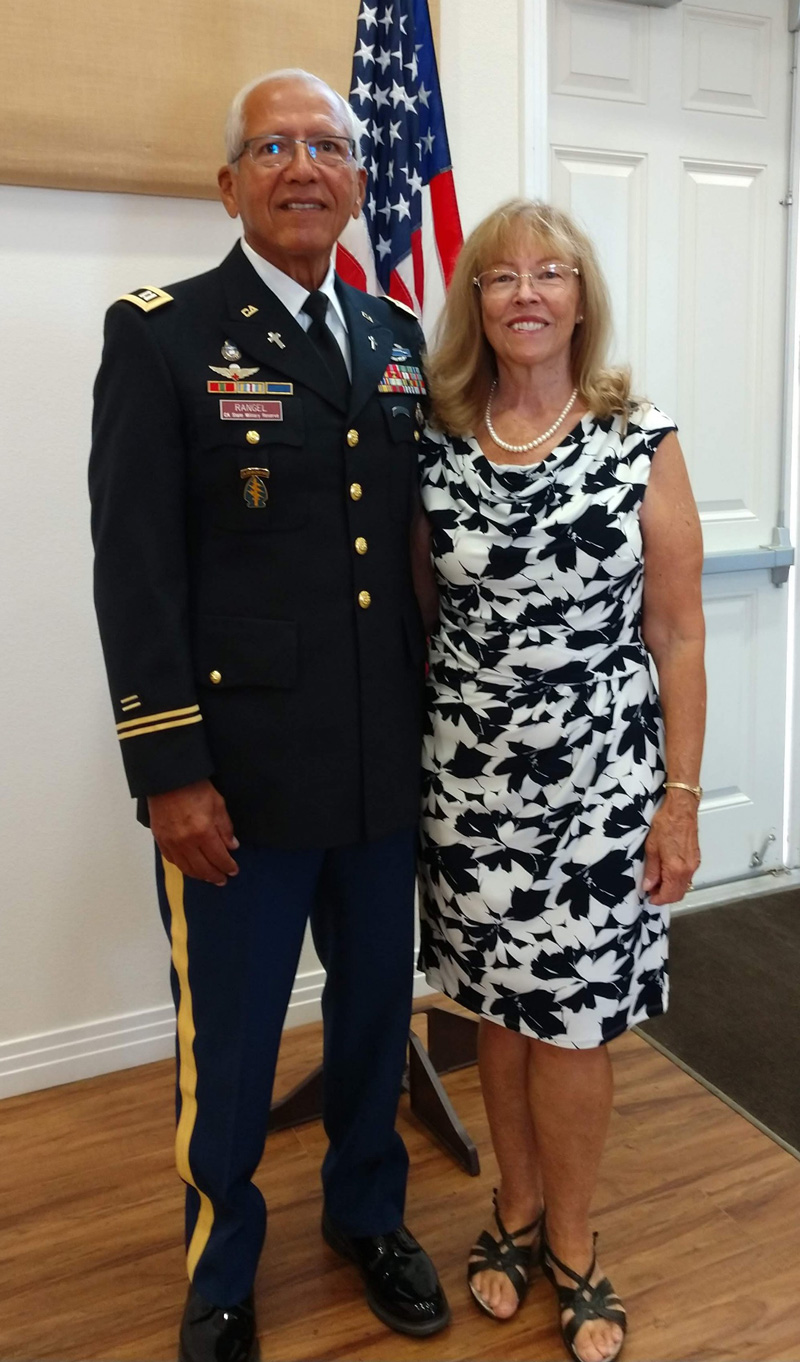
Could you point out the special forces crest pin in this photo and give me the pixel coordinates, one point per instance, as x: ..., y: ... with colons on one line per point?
x: 255, y: 487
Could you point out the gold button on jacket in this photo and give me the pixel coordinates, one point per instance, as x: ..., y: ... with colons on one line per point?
x: 361, y: 545
x: 364, y: 600
x: 352, y: 438
x: 356, y: 491
x: 215, y: 676
x: 252, y: 437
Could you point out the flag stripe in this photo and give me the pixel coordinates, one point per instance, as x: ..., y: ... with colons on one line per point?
x: 397, y: 102
x: 349, y: 268
x: 446, y: 222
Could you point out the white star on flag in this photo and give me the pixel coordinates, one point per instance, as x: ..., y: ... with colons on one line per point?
x: 404, y: 243
x: 362, y: 92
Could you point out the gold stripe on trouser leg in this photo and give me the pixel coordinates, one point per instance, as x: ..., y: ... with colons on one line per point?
x: 173, y: 879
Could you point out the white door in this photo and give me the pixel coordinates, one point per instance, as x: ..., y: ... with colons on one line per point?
x: 669, y: 135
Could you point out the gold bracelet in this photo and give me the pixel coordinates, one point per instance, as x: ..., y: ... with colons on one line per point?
x: 696, y: 790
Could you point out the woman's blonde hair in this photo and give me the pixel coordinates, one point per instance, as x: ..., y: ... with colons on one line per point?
x: 462, y: 365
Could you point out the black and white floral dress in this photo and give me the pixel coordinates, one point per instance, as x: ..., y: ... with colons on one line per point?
x: 543, y: 757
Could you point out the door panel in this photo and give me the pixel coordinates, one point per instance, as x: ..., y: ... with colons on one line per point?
x: 743, y: 764
x: 669, y: 141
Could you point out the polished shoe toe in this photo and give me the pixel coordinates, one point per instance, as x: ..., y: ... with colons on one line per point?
x: 213, y: 1333
x: 402, y: 1286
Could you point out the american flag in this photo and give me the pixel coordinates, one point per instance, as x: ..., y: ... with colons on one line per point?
x: 407, y: 238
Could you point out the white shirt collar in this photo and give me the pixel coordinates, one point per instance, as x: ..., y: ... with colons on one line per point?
x: 290, y: 293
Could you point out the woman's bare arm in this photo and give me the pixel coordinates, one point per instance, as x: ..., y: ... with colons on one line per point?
x: 674, y: 633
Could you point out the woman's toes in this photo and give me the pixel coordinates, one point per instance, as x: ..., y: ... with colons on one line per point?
x: 598, y: 1340
x: 497, y: 1292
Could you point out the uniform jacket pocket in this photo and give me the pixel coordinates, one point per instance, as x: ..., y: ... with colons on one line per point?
x: 242, y: 651
x: 274, y: 449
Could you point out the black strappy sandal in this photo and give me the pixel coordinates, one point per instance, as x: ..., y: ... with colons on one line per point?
x: 586, y: 1301
x: 503, y: 1255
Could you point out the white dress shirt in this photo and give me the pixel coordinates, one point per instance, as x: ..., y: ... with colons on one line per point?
x: 293, y: 296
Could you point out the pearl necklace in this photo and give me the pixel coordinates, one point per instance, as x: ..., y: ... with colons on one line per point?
x: 532, y: 444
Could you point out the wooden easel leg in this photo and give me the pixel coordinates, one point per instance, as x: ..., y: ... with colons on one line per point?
x: 431, y: 1105
x: 452, y: 1040
x: 301, y: 1105
x: 452, y: 1044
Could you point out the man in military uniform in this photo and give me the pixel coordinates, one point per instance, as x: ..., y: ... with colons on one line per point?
x: 253, y: 485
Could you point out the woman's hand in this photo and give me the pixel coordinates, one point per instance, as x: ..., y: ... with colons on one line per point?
x: 671, y: 852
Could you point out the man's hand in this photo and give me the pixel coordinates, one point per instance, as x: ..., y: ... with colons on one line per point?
x: 193, y: 831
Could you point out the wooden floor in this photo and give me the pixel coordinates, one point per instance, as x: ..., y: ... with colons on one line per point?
x: 699, y: 1215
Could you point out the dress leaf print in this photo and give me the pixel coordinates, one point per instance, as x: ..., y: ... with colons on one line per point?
x: 543, y: 758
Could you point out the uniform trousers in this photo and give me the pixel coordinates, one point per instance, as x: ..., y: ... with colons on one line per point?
x: 234, y: 956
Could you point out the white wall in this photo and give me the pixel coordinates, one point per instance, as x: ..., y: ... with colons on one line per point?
x: 479, y: 69
x: 83, y: 960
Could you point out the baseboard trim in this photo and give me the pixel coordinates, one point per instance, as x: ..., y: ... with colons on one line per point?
x: 100, y: 1047
x: 52, y: 1058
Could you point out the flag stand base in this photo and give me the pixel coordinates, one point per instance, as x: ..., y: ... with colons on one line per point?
x: 452, y: 1044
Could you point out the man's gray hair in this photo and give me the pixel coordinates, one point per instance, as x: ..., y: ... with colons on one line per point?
x: 234, y: 123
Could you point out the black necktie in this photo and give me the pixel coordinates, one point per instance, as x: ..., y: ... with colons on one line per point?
x: 316, y: 305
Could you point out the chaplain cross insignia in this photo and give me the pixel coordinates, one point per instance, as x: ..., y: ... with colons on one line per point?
x: 274, y: 337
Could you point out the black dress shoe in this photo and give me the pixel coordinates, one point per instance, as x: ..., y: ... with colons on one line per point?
x: 213, y: 1333
x: 403, y: 1289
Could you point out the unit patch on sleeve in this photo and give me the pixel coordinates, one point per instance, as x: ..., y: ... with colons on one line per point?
x: 146, y: 298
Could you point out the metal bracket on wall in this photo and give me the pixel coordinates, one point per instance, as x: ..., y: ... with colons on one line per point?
x: 778, y: 557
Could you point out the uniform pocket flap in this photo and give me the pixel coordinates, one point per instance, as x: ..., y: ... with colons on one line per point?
x: 230, y: 420
x: 400, y: 416
x: 240, y: 651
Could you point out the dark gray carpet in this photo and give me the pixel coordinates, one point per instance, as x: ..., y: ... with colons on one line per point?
x: 734, y: 1012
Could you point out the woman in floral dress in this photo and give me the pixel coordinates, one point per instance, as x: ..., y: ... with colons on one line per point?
x: 561, y: 786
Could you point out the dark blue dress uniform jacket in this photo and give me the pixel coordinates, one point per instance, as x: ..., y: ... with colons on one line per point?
x: 239, y: 641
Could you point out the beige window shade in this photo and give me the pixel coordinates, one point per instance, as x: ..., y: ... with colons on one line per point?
x: 131, y: 95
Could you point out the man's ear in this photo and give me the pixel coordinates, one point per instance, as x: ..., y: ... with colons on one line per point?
x: 227, y: 181
x: 360, y: 193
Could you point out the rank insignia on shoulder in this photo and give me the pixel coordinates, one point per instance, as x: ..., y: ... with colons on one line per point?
x: 147, y: 298
x: 403, y: 307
